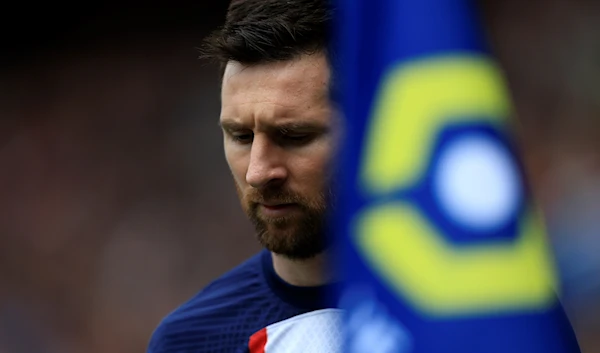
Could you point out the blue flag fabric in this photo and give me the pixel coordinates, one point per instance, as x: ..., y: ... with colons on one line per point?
x: 441, y: 245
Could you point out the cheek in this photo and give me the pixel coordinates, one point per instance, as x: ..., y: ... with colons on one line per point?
x: 238, y: 164
x: 312, y: 172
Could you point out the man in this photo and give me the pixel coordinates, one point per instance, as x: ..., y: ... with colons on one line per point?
x: 279, y: 134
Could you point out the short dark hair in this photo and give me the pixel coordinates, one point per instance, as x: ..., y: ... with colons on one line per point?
x: 263, y: 31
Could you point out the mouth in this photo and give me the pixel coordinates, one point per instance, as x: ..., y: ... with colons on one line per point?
x: 276, y: 205
x: 277, y: 210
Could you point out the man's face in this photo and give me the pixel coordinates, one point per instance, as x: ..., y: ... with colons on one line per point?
x: 278, y: 138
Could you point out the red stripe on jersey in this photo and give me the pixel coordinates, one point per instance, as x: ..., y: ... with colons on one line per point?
x: 258, y: 341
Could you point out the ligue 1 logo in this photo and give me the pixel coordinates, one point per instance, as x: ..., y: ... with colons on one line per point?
x: 447, y: 226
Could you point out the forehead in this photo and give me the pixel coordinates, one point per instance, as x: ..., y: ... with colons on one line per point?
x: 296, y: 85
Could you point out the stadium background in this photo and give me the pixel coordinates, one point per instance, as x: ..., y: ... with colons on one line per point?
x: 115, y: 200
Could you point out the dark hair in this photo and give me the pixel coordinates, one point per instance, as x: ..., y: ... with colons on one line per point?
x: 262, y: 31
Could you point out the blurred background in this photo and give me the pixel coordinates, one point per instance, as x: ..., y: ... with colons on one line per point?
x: 116, y: 203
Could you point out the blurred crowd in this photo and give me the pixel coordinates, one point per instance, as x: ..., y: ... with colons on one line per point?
x: 116, y: 204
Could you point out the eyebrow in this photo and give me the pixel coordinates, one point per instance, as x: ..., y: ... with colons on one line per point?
x: 300, y: 126
x: 230, y: 125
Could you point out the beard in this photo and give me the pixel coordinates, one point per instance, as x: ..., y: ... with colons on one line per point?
x: 299, y: 235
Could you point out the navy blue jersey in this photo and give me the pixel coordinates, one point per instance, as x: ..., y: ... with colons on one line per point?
x: 250, y: 309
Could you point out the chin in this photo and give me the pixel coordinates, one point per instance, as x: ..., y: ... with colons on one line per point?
x: 298, y: 256
x: 291, y: 245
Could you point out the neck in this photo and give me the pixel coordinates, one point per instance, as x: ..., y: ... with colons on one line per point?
x: 303, y: 273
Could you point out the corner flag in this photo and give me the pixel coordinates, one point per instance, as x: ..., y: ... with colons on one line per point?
x: 442, y: 247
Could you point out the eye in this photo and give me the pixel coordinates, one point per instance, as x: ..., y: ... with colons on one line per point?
x: 296, y: 139
x: 242, y: 138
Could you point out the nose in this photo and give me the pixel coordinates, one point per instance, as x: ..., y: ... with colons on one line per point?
x: 267, y: 165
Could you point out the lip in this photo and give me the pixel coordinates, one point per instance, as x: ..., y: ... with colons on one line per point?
x: 277, y: 210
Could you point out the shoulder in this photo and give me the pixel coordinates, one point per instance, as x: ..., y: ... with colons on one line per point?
x: 315, y: 331
x: 212, y: 311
